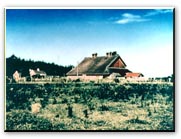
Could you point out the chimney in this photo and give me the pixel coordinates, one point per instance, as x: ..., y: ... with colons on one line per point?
x: 109, y: 54
x: 94, y: 55
x: 114, y: 53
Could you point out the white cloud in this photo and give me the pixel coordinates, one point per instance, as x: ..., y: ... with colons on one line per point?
x: 158, y: 11
x: 128, y: 18
x: 128, y: 15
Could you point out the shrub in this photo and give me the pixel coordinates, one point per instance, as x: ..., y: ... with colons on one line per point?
x: 70, y: 111
x: 41, y: 124
x: 24, y: 120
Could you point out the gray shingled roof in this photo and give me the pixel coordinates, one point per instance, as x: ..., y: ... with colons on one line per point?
x: 40, y: 72
x: 95, y: 66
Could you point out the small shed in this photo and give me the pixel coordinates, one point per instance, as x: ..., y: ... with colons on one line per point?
x: 133, y: 75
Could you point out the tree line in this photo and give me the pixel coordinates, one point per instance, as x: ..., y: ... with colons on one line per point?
x: 14, y: 63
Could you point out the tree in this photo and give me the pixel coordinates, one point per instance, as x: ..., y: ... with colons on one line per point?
x: 14, y: 63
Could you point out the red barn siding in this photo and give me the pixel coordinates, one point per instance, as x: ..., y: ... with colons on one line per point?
x: 118, y: 64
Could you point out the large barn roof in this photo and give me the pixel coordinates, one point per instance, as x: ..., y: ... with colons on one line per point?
x: 96, y: 65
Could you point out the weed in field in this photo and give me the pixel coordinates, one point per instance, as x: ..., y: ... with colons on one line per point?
x: 90, y: 106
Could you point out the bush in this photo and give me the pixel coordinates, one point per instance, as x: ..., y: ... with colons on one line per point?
x: 24, y: 120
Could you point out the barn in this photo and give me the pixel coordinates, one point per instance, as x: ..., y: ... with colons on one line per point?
x: 99, y: 67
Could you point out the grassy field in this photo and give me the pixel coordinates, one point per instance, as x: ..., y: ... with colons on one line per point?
x: 90, y: 106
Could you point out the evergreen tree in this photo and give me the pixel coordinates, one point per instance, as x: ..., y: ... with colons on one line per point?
x: 14, y: 63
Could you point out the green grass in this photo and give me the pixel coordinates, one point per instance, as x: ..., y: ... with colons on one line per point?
x: 104, y: 106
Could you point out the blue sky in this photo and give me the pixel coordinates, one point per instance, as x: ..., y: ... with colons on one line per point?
x: 142, y: 37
